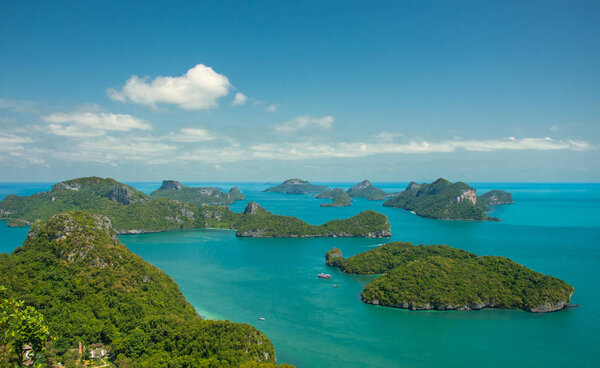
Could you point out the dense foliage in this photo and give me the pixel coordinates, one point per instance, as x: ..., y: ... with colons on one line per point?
x: 366, y: 190
x: 92, y: 289
x: 21, y: 327
x: 339, y: 196
x: 296, y: 186
x: 258, y: 222
x: 440, y: 199
x: 442, y: 277
x: 198, y: 195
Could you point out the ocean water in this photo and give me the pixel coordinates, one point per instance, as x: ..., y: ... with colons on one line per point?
x: 551, y: 228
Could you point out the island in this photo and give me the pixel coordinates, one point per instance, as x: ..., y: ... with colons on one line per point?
x: 365, y: 189
x: 296, y: 186
x: 258, y: 222
x: 92, y: 290
x: 421, y: 277
x: 339, y: 196
x: 496, y: 198
x: 443, y: 200
x: 134, y: 212
x: 172, y: 189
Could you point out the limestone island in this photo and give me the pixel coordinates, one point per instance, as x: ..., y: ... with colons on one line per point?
x: 296, y: 186
x: 133, y: 212
x: 92, y: 290
x: 365, y: 189
x: 339, y: 196
x: 172, y: 189
x: 421, y: 277
x: 445, y: 200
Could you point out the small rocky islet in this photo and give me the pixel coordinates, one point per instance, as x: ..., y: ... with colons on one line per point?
x: 424, y: 277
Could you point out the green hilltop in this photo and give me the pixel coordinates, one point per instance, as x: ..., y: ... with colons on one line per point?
x: 366, y: 190
x: 92, y: 289
x: 133, y: 212
x: 172, y: 189
x: 440, y: 277
x: 444, y: 200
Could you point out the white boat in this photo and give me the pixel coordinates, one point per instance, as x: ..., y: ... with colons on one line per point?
x: 261, y: 318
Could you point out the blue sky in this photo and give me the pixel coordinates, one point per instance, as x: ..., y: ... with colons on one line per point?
x: 324, y: 90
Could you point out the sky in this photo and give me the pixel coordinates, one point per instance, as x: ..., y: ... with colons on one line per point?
x: 322, y: 90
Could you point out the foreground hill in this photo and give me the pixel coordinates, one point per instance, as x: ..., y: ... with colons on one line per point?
x: 172, y: 189
x: 92, y: 289
x: 296, y: 186
x: 133, y: 212
x: 339, y: 196
x: 365, y: 189
x: 258, y: 222
x: 445, y: 278
x: 442, y: 200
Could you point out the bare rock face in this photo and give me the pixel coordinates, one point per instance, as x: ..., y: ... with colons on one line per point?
x: 120, y: 194
x: 251, y: 208
x: 467, y: 195
x: 171, y: 184
x: 413, y: 185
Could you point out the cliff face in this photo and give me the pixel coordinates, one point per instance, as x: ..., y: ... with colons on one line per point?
x: 467, y: 195
x: 171, y: 184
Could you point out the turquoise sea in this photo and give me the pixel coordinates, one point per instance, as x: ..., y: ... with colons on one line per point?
x: 551, y: 228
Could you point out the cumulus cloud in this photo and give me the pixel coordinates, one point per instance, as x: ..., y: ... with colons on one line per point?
x: 99, y: 121
x: 271, y: 108
x: 239, y: 99
x: 10, y: 142
x: 73, y: 131
x: 198, y: 89
x: 192, y: 135
x: 304, y: 122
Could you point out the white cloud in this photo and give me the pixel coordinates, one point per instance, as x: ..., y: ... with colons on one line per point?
x: 198, y: 89
x: 555, y: 128
x: 239, y: 99
x: 192, y: 135
x: 97, y: 121
x: 21, y: 106
x: 73, y: 131
x: 10, y: 142
x: 304, y: 122
x: 271, y: 108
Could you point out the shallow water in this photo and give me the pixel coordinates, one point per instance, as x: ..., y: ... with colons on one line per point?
x: 551, y: 228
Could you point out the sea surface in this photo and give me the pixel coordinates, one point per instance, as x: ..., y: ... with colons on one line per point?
x: 551, y: 228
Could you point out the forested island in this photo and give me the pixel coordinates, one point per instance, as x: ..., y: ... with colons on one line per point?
x: 91, y: 289
x: 258, y: 222
x: 445, y: 200
x: 134, y: 212
x: 339, y: 196
x: 365, y: 189
x: 297, y: 186
x: 172, y: 189
x: 421, y: 277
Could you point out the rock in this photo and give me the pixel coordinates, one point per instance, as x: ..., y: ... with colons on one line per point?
x: 251, y: 208
x: 120, y: 194
x: 171, y: 184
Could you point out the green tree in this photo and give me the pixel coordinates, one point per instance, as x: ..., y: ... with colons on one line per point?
x: 22, y: 325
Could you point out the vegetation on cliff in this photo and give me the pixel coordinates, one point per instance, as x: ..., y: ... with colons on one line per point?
x: 172, y: 189
x: 366, y: 190
x: 339, y: 196
x: 442, y: 277
x: 296, y: 186
x: 495, y: 198
x: 441, y: 199
x: 91, y: 288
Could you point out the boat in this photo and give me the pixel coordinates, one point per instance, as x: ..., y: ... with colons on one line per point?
x: 324, y: 275
x: 336, y: 285
x: 261, y: 318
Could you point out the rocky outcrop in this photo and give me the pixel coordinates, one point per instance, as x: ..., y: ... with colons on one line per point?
x: 171, y: 184
x: 467, y: 195
x: 544, y: 308
x: 496, y: 198
x: 251, y: 208
x: 120, y: 194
